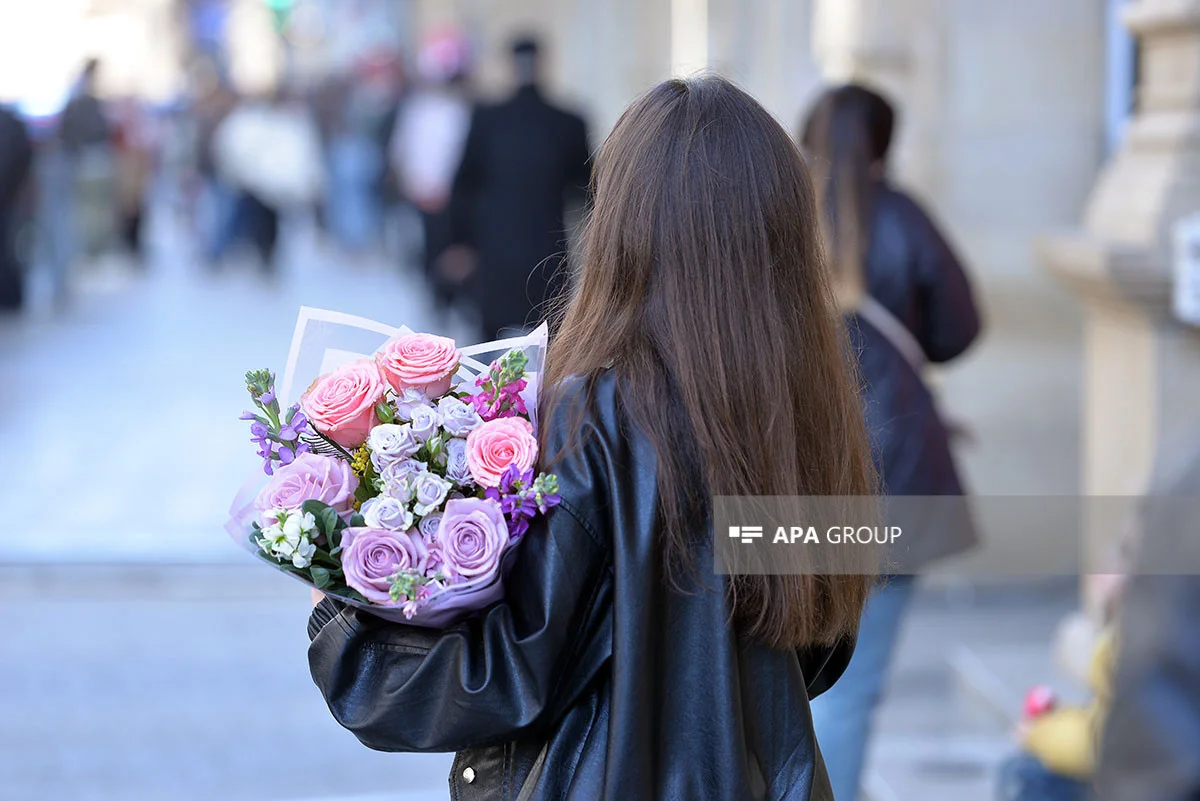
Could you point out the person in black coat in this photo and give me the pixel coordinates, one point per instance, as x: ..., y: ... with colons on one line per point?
x: 521, y: 162
x: 16, y: 160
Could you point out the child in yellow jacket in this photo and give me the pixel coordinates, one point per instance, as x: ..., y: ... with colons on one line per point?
x: 1059, y: 744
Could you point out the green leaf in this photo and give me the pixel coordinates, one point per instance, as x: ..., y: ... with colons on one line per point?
x: 357, y: 520
x: 384, y: 413
x: 335, y: 542
x: 328, y: 521
x: 316, y: 509
x: 320, y: 577
x: 351, y: 593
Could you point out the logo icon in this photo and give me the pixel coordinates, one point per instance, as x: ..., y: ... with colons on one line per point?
x: 746, y: 534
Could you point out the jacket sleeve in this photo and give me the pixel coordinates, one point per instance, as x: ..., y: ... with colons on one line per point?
x: 403, y: 688
x: 949, y: 320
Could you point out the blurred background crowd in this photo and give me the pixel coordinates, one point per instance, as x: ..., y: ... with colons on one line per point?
x: 177, y: 177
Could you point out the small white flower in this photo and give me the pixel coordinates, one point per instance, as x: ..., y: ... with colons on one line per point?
x: 429, y: 491
x: 303, y: 554
x: 425, y: 422
x: 458, y: 418
x: 408, y: 400
x: 389, y: 513
x: 291, y: 527
x: 391, y: 443
x: 307, y: 522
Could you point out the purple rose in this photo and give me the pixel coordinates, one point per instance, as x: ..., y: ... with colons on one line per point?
x: 470, y: 539
x: 410, y: 399
x: 457, y: 469
x: 429, y: 490
x: 310, y: 477
x: 428, y: 526
x: 386, y: 512
x: 458, y: 418
x: 390, y: 443
x: 396, y: 479
x: 371, y: 556
x: 425, y: 422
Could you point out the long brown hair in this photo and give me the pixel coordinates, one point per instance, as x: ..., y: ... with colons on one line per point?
x: 702, y: 283
x: 846, y: 137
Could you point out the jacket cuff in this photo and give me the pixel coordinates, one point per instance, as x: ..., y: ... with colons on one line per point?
x: 322, y: 613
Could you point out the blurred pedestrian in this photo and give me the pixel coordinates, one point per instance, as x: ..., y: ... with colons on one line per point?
x: 86, y: 136
x: 270, y: 151
x: 16, y: 159
x: 134, y: 168
x: 521, y: 160
x: 1150, y: 748
x: 427, y: 145
x: 908, y: 302
x: 218, y: 199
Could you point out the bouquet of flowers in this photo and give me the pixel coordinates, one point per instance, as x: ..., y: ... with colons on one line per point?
x: 400, y: 480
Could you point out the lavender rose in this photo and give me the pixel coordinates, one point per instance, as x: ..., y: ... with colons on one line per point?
x: 425, y: 422
x: 429, y: 490
x: 429, y: 526
x: 458, y: 418
x: 396, y: 479
x: 457, y: 469
x: 408, y: 400
x: 310, y: 478
x: 391, y: 443
x: 387, y: 512
x: 470, y: 540
x: 373, y: 555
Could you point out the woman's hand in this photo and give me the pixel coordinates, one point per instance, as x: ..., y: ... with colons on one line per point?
x: 317, y: 597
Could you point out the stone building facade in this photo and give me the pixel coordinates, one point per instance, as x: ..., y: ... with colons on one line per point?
x: 1013, y: 131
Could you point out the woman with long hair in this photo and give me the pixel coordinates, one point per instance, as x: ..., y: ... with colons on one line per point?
x: 909, y: 303
x: 700, y: 354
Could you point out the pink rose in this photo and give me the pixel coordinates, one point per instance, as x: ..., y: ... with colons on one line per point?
x: 371, y: 556
x: 341, y: 404
x: 496, y: 444
x: 419, y: 361
x: 310, y: 478
x: 471, y: 537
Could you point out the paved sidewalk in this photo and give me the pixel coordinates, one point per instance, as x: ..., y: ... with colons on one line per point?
x: 189, y: 683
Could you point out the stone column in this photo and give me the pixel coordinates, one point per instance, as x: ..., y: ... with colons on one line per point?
x: 1142, y: 368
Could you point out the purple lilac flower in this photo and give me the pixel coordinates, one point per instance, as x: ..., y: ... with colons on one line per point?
x: 521, y: 497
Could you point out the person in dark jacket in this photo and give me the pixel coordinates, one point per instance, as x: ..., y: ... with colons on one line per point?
x: 16, y: 160
x: 521, y: 162
x: 620, y: 665
x: 908, y: 302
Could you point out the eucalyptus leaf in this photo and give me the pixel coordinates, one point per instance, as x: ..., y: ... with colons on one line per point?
x: 357, y: 521
x: 329, y: 521
x: 320, y: 577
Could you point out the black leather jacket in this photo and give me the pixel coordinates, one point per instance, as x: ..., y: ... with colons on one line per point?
x: 592, y: 679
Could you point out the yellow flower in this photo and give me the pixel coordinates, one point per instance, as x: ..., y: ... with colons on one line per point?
x: 361, y: 462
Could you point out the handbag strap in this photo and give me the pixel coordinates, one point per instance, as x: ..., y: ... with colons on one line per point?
x: 893, y: 331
